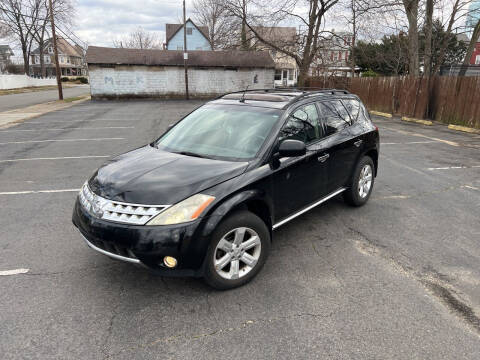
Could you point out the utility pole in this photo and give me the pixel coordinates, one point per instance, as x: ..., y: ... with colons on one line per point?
x: 185, y: 54
x: 55, y: 51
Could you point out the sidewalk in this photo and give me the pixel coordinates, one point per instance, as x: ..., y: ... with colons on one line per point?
x: 14, y: 117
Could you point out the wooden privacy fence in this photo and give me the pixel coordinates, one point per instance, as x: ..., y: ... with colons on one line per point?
x: 447, y: 99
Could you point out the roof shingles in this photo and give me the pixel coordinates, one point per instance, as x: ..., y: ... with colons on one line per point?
x: 122, y: 56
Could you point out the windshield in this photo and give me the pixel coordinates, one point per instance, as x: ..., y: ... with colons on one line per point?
x: 221, y: 131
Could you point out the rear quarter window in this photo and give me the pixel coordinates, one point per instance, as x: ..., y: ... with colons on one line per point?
x: 353, y: 106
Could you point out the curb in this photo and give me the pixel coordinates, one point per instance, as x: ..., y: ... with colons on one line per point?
x: 14, y: 117
x: 418, y: 121
x: 464, y: 129
x: 378, y: 113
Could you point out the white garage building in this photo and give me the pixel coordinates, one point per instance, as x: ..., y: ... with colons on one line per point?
x: 116, y: 73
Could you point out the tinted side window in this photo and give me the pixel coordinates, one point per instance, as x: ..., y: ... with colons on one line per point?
x: 334, y: 116
x: 302, y: 124
x: 353, y: 107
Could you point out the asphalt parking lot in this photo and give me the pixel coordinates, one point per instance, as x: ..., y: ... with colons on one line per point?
x: 396, y: 279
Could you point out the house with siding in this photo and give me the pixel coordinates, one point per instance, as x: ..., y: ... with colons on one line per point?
x: 333, y: 58
x: 5, y: 54
x: 70, y: 57
x: 129, y: 73
x: 286, y: 68
x: 197, y: 36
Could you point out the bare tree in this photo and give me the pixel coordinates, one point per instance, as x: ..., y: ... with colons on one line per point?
x: 427, y: 56
x: 19, y: 17
x: 139, y: 39
x: 411, y: 10
x: 310, y: 14
x: 64, y: 13
x: 221, y: 26
x: 358, y: 16
x: 457, y: 12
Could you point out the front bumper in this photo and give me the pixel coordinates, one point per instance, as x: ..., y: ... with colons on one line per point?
x: 146, y: 245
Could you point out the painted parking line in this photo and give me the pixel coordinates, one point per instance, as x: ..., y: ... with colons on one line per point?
x: 58, y: 140
x: 14, y: 272
x: 403, y: 132
x: 408, y: 143
x: 57, y: 158
x: 38, y: 192
x: 76, y: 128
x: 454, y: 167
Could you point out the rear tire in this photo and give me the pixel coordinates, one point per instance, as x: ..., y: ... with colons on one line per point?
x: 237, y: 252
x: 361, y: 185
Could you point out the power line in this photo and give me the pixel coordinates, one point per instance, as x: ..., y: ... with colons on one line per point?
x: 48, y: 20
x: 69, y: 38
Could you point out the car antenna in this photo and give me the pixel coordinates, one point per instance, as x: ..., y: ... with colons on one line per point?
x: 242, y: 100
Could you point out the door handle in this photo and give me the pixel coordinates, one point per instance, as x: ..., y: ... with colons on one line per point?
x: 358, y: 143
x: 323, y: 158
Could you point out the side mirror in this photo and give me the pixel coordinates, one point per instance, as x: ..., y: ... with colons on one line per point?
x: 292, y: 148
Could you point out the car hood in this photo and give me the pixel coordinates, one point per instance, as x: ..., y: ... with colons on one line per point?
x: 154, y: 177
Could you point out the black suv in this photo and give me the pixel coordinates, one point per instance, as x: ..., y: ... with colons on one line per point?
x: 205, y: 198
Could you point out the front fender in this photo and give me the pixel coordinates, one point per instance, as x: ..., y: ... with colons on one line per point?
x: 226, y: 206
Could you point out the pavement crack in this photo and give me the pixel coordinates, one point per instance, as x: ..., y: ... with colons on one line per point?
x: 454, y: 303
x: 436, y: 283
x: 109, y: 330
x: 244, y: 326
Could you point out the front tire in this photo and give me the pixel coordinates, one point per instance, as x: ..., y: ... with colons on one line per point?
x: 361, y: 185
x: 237, y: 252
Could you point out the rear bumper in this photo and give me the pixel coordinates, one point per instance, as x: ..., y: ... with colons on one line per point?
x: 146, y: 245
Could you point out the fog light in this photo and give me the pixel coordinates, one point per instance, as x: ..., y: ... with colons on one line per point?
x: 169, y: 261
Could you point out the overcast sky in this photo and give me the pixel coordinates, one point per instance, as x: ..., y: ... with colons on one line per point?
x: 99, y: 22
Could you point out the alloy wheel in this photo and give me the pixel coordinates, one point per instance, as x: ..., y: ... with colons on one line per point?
x: 365, y: 181
x: 237, y: 253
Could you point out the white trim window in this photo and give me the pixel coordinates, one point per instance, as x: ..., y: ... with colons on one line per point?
x: 50, y: 50
x: 477, y: 60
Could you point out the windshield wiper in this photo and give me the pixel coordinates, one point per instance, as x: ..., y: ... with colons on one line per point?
x: 188, y: 153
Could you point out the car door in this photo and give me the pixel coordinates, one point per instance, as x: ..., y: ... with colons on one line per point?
x: 298, y: 181
x: 341, y: 145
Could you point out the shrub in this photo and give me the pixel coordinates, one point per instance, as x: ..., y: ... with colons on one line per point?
x: 369, y: 73
x: 65, y: 79
x: 83, y: 80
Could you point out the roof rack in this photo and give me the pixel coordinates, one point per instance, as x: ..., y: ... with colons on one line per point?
x: 322, y: 91
x: 266, y: 90
x: 305, y: 92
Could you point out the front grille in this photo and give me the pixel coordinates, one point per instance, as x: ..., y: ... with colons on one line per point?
x: 117, y: 211
x: 113, y: 248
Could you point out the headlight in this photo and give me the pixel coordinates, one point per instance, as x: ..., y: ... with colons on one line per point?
x: 186, y: 210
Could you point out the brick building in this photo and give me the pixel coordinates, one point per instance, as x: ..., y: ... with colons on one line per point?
x: 475, y: 59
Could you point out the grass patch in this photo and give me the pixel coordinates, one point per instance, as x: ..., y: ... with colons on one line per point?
x: 27, y: 89
x: 37, y: 88
x: 75, y: 98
